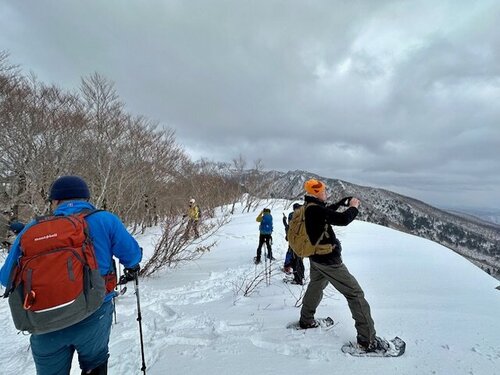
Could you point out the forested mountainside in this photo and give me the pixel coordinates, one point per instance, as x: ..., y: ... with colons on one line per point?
x: 476, y: 240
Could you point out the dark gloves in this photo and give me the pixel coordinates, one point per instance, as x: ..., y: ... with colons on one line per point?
x: 344, y: 202
x: 130, y: 274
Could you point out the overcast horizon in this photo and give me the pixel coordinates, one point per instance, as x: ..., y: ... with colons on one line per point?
x: 391, y: 94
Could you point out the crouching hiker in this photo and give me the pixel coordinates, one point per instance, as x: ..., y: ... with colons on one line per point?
x: 61, y: 285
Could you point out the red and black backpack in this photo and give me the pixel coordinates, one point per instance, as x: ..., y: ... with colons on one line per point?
x: 56, y: 282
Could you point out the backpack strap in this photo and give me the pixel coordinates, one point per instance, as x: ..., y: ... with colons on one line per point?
x: 110, y: 279
x: 325, y: 230
x: 87, y: 212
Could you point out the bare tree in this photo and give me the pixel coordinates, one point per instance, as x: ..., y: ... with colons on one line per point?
x: 133, y: 167
x: 239, y: 168
x: 175, y: 247
x: 255, y: 186
x: 39, y: 123
x: 106, y: 127
x: 249, y: 282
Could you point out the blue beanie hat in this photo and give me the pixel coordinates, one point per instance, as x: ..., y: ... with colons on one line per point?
x: 69, y: 187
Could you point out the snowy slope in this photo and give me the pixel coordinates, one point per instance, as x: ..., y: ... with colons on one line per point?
x: 194, y: 323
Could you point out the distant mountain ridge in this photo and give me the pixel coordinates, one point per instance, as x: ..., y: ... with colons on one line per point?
x: 488, y: 215
x: 477, y: 240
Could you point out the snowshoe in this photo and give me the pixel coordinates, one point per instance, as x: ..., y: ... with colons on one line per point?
x: 323, y: 323
x: 291, y: 280
x: 379, y: 348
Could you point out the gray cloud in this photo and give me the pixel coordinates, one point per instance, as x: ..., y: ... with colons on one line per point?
x: 401, y: 95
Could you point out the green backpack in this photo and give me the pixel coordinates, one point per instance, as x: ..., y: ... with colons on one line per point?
x: 299, y: 240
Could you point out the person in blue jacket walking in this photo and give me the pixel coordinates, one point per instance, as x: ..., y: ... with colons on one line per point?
x: 266, y: 230
x: 53, y: 351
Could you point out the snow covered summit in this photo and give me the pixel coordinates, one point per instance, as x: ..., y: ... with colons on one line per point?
x: 196, y: 322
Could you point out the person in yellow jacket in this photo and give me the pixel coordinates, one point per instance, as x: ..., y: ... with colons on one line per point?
x: 193, y: 215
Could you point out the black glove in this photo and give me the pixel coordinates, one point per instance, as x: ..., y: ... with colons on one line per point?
x: 130, y: 274
x: 344, y: 201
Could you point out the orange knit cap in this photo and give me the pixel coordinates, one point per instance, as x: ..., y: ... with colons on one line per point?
x: 314, y: 187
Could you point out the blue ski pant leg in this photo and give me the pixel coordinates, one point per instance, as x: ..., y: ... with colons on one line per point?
x: 288, y: 258
x: 53, y: 352
x: 93, y: 343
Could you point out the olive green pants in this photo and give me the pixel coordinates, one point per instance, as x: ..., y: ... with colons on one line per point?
x: 345, y: 283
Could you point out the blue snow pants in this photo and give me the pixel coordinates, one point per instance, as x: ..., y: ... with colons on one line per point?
x: 53, y: 351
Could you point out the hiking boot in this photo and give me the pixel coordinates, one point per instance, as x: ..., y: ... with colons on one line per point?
x: 307, y: 325
x: 376, y: 345
x: 270, y: 257
x: 295, y: 282
x: 256, y: 260
x: 288, y: 270
x: 101, y: 370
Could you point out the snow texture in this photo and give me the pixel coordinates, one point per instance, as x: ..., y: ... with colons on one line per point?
x: 194, y: 322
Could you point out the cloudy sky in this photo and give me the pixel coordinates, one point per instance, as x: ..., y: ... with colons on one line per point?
x: 403, y: 95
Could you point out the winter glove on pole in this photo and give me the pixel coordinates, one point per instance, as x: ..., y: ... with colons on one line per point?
x: 130, y: 274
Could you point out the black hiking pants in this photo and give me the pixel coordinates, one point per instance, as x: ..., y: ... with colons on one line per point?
x: 298, y: 268
x: 264, y: 238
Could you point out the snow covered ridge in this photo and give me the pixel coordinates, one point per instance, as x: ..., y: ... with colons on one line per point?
x: 476, y: 240
x: 483, y: 214
x: 194, y: 322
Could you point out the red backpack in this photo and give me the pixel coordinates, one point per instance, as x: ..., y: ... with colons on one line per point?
x: 57, y: 282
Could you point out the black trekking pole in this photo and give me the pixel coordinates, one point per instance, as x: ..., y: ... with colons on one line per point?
x: 114, y: 307
x: 139, y: 319
x: 265, y: 264
x: 270, y: 258
x: 114, y: 297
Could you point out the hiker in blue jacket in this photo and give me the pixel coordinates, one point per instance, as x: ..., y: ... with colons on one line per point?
x: 266, y: 230
x: 53, y: 351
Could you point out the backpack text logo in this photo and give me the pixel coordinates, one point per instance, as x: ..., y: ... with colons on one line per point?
x: 46, y: 237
